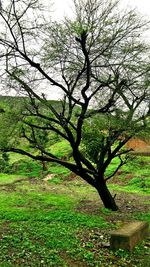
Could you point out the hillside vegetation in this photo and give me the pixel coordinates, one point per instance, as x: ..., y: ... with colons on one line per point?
x: 51, y: 217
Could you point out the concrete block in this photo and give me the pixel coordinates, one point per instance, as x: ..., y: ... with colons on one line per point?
x: 129, y: 235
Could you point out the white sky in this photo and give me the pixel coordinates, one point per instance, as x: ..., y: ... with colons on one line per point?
x: 143, y: 6
x: 62, y: 7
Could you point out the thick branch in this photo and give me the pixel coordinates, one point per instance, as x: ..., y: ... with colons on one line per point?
x: 72, y: 167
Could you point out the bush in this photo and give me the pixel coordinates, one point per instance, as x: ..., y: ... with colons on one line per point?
x: 26, y: 167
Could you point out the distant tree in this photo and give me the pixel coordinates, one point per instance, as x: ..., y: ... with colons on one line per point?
x: 38, y: 139
x: 4, y: 162
x: 99, y: 62
x: 2, y: 110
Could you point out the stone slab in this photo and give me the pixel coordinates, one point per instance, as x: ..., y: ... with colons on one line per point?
x: 129, y: 235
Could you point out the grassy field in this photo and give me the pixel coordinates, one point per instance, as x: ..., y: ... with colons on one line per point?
x: 60, y: 220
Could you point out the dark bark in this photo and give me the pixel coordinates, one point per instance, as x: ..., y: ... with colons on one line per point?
x: 44, y: 166
x: 106, y: 197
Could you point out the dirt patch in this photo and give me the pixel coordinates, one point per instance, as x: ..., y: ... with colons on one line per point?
x: 121, y: 181
x: 89, y: 207
x: 11, y: 187
x: 48, y: 177
x: 138, y: 145
x: 72, y: 262
x: 71, y: 177
x: 129, y: 204
x: 20, y: 180
x: 4, y: 228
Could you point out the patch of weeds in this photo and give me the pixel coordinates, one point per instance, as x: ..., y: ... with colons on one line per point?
x: 24, y: 207
x: 43, y: 240
x: 15, y: 157
x: 140, y: 182
x: 87, y: 255
x: 130, y: 189
x: 139, y: 255
x: 8, y: 178
x: 142, y: 217
x: 26, y: 167
x: 58, y: 169
x: 121, y: 253
x: 55, y: 180
x: 112, y: 166
x: 136, y: 167
x: 61, y: 149
x: 22, y: 250
x: 106, y: 211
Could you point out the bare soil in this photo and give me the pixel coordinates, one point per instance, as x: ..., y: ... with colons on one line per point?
x: 128, y: 203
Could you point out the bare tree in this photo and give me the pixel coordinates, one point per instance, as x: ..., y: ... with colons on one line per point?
x: 99, y: 62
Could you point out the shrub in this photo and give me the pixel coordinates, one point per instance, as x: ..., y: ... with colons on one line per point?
x: 26, y: 167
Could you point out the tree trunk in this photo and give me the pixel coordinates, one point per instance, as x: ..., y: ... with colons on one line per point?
x: 106, y: 197
x: 44, y: 166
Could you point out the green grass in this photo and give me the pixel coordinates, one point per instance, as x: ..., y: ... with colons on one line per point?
x: 26, y: 167
x: 14, y: 157
x: 135, y: 175
x: 58, y: 170
x: 36, y: 227
x: 55, y: 223
x: 9, y: 178
x: 61, y: 149
x: 111, y: 168
x: 42, y: 226
x: 131, y: 189
x: 142, y: 216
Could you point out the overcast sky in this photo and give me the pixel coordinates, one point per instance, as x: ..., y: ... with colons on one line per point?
x: 62, y: 7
